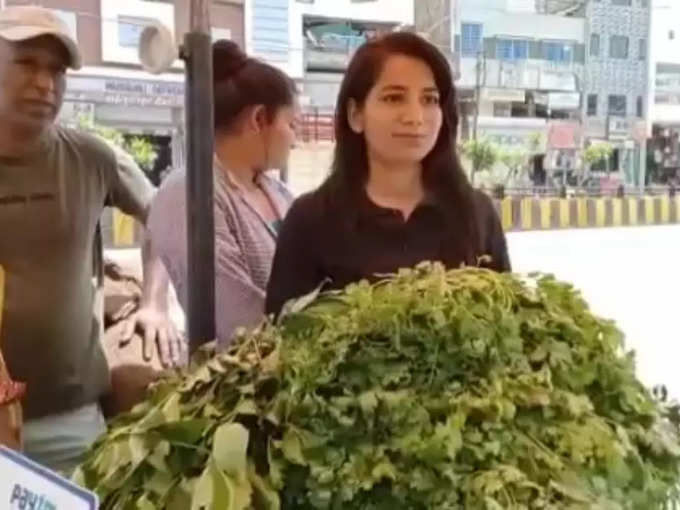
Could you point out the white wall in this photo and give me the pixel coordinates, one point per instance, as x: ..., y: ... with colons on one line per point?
x: 112, y: 51
x: 500, y: 22
x: 665, y: 17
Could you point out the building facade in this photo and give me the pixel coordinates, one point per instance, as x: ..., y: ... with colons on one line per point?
x: 617, y: 80
x: 574, y: 72
x: 313, y: 40
x: 522, y: 66
x: 664, y: 102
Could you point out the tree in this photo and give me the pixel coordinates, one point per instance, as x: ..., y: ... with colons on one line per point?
x: 482, y: 154
x: 598, y: 153
x: 514, y: 160
x: 536, y: 143
x: 141, y: 150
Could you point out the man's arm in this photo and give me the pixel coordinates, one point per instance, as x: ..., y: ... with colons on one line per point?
x: 133, y: 193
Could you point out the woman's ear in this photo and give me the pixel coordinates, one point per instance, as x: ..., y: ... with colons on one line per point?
x: 355, y: 117
x: 257, y: 118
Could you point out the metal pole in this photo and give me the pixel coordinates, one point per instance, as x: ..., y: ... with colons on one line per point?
x: 197, y: 54
x: 478, y: 94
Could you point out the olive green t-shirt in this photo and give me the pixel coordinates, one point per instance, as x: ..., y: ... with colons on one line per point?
x: 50, y: 203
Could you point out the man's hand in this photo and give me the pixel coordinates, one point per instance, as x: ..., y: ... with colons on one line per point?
x: 156, y: 329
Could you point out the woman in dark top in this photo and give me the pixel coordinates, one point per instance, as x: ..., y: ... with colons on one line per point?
x: 397, y: 194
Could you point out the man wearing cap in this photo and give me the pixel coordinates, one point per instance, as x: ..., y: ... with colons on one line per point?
x: 54, y: 183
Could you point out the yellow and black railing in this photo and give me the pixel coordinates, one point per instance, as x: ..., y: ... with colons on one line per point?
x: 538, y: 213
x: 516, y: 212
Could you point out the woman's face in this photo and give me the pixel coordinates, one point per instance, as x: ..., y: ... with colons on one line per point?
x: 279, y: 136
x: 401, y: 116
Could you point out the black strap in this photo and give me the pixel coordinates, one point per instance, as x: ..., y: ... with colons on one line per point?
x: 98, y: 256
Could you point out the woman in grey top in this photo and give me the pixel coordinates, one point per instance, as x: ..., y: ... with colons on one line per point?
x: 255, y: 116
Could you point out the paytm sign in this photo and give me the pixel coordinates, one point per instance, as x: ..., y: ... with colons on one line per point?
x: 25, y: 485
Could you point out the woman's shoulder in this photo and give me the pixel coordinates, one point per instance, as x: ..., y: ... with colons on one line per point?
x: 307, y: 216
x: 311, y: 206
x: 483, y: 202
x: 171, y: 194
x: 484, y: 207
x: 168, y: 211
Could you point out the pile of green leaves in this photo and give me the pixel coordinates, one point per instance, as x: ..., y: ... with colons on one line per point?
x: 434, y: 389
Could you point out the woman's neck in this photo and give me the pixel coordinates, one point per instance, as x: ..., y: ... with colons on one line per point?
x: 237, y: 161
x: 396, y: 186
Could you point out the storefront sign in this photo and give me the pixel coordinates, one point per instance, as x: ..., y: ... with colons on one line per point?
x: 564, y: 135
x: 24, y: 485
x: 504, y: 95
x: 124, y: 92
x: 564, y: 100
x: 557, y: 80
x: 619, y: 128
x: 596, y: 128
x: 540, y: 98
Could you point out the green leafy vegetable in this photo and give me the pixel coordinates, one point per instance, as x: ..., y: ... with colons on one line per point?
x: 434, y: 389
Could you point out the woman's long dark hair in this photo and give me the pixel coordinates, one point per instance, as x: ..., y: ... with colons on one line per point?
x: 442, y: 171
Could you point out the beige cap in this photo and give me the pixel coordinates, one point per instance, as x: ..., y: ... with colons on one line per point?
x: 27, y: 22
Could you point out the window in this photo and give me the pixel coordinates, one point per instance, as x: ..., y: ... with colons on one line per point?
x: 639, y: 108
x: 558, y: 51
x: 471, y: 39
x: 618, y: 46
x: 621, y: 2
x: 512, y: 49
x: 592, y: 105
x: 501, y: 109
x: 617, y: 106
x: 130, y: 30
x: 642, y: 49
x: 595, y: 45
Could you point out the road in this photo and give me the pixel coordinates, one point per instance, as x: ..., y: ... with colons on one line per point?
x: 631, y: 275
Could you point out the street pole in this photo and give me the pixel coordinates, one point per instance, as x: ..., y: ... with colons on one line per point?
x: 478, y: 94
x: 478, y: 99
x: 197, y: 54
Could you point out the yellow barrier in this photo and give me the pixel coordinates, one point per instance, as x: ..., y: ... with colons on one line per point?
x: 546, y: 213
x: 564, y: 213
x: 582, y: 212
x: 506, y: 213
x: 617, y: 212
x: 123, y: 229
x: 526, y: 206
x: 600, y: 213
x: 632, y: 211
x: 649, y: 211
x: 665, y: 210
